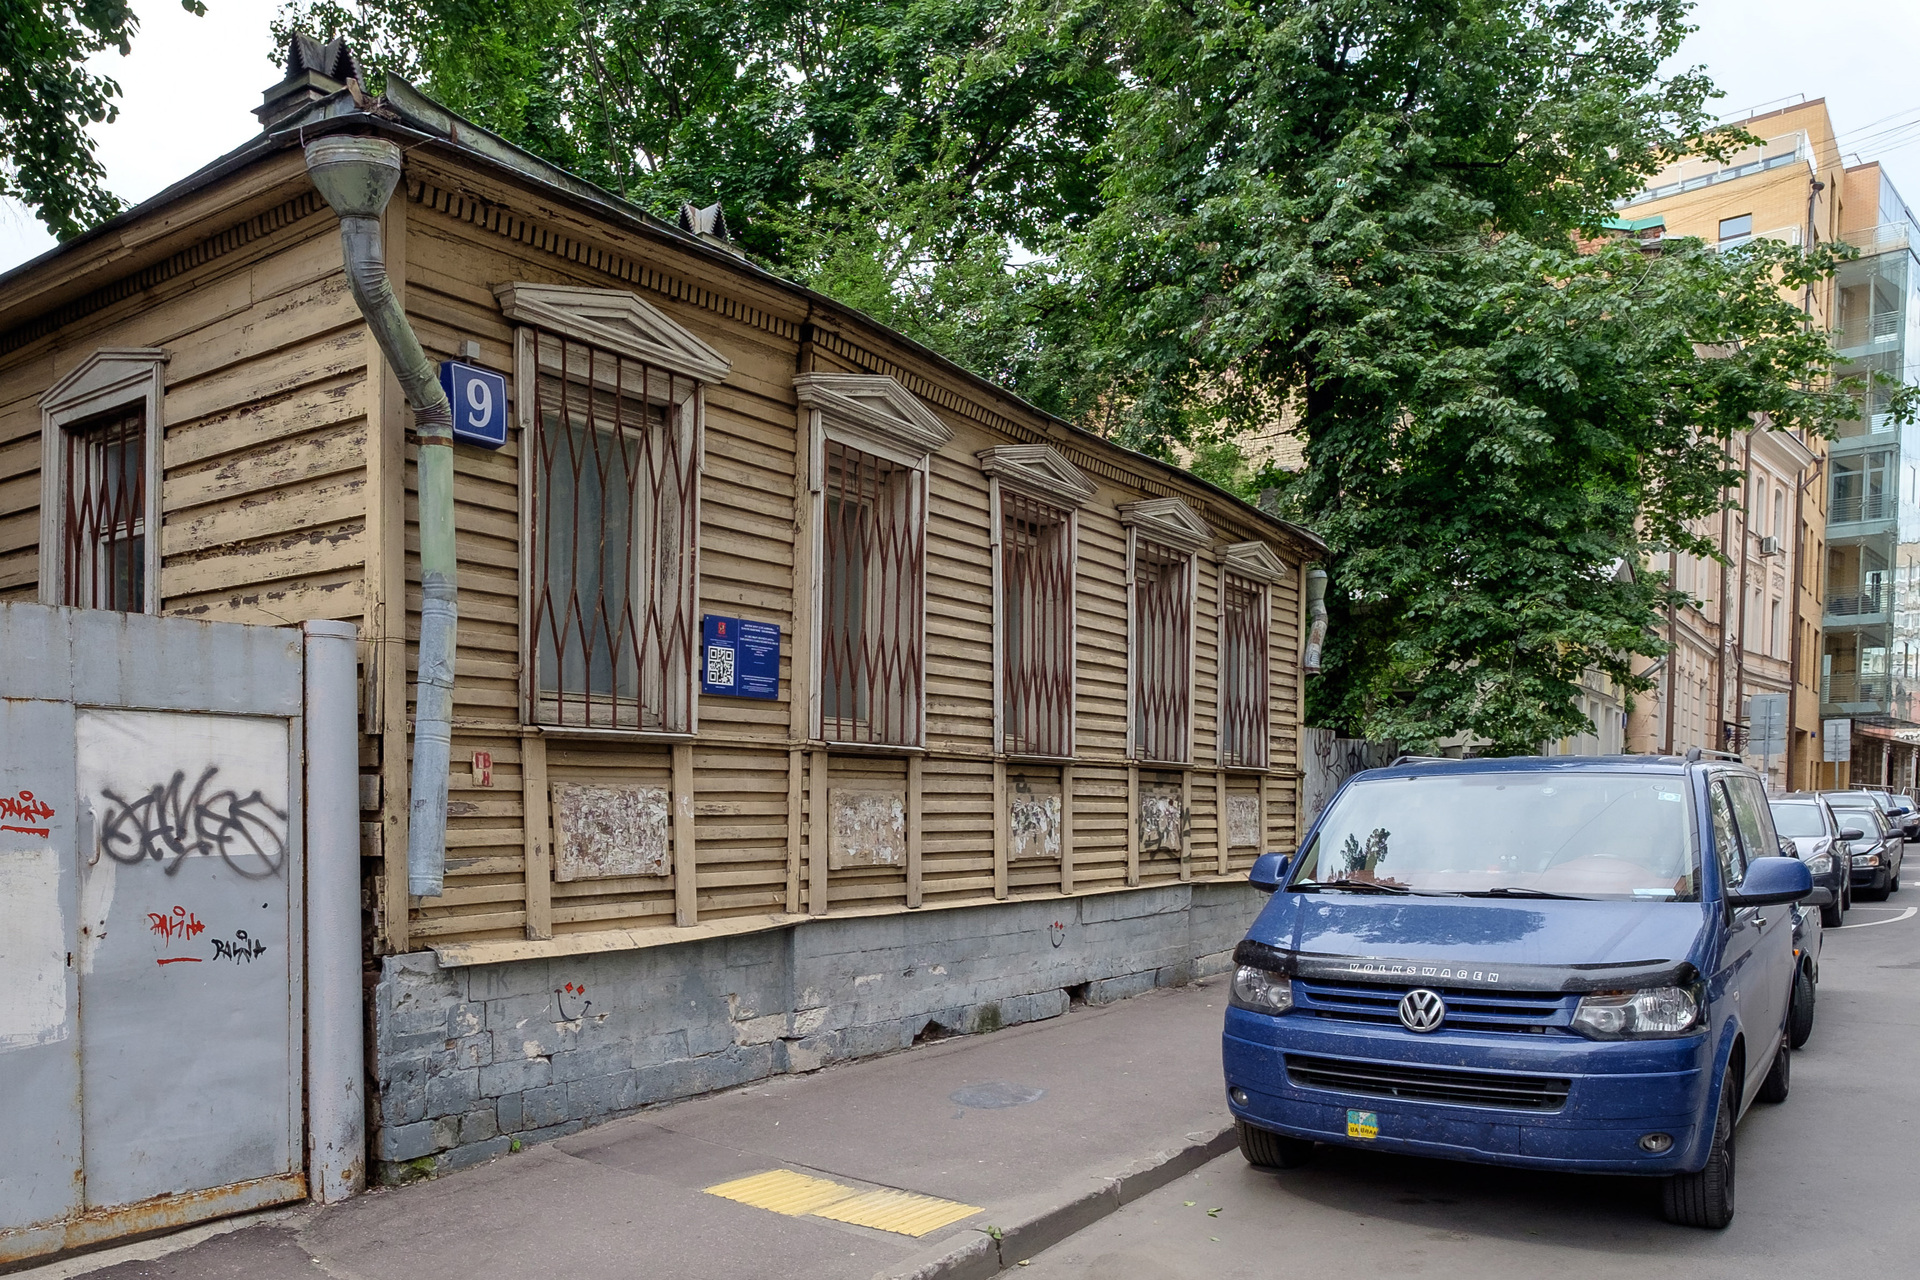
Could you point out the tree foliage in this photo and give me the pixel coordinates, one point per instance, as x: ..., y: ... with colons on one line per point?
x: 1382, y: 213
x: 48, y: 97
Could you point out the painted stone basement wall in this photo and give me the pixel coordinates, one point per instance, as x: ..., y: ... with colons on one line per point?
x: 467, y: 1060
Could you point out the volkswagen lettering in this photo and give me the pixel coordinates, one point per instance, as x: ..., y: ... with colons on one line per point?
x: 1574, y: 964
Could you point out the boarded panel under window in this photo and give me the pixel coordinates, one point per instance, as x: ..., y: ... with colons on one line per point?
x: 1033, y: 818
x: 869, y: 828
x: 1163, y: 818
x: 609, y: 831
x: 1243, y: 822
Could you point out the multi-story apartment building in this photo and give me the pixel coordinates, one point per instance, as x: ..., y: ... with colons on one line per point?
x: 1870, y: 657
x: 1755, y: 623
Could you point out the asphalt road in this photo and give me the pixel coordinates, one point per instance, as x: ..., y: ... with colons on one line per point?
x: 1828, y: 1180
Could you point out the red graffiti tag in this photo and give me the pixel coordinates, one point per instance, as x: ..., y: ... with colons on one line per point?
x: 25, y: 808
x: 179, y: 923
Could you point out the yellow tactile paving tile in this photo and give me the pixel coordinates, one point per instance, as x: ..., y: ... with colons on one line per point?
x: 783, y: 1191
x: 901, y: 1212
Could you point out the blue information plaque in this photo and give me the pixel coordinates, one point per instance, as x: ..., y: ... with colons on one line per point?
x: 478, y: 398
x: 740, y: 658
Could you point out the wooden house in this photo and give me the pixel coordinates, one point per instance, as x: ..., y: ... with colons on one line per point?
x: 770, y: 620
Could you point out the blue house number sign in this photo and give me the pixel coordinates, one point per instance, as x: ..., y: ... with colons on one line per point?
x: 479, y: 400
x: 742, y: 658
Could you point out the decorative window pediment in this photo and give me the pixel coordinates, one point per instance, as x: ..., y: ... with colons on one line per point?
x: 109, y: 375
x: 1255, y: 560
x: 1038, y: 470
x: 875, y: 406
x: 613, y: 320
x: 1169, y: 521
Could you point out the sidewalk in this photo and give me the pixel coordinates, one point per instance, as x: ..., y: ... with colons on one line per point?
x: 1129, y: 1097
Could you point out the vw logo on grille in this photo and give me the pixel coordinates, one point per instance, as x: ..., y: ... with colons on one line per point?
x: 1422, y: 1010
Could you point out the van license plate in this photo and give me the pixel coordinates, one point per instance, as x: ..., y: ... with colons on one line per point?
x: 1363, y: 1124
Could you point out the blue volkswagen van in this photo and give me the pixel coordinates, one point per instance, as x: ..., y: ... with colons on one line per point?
x: 1579, y: 964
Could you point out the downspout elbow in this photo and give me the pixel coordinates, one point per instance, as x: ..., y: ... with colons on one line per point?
x: 1317, y: 621
x: 357, y: 177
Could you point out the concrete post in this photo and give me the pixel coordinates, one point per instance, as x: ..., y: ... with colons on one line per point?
x: 336, y: 1089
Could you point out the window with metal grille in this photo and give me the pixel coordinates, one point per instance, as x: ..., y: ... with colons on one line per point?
x: 873, y: 559
x: 104, y: 525
x: 1243, y: 673
x: 1162, y: 645
x: 615, y: 517
x: 1036, y: 627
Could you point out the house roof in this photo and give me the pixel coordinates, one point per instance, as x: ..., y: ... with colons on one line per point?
x: 413, y: 119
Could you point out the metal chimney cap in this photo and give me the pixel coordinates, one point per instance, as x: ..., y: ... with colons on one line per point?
x: 355, y: 175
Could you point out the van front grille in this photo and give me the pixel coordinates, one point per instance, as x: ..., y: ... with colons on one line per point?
x: 1466, y: 1010
x: 1429, y: 1084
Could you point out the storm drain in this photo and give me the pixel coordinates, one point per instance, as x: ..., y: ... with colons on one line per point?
x: 906, y: 1213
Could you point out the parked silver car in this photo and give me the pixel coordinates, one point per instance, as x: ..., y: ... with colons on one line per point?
x: 1825, y: 843
x: 1876, y: 859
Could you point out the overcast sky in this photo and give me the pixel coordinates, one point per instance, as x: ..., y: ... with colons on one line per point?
x: 191, y: 84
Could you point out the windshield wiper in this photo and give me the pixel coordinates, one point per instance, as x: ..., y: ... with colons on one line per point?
x: 1516, y: 891
x: 1351, y: 886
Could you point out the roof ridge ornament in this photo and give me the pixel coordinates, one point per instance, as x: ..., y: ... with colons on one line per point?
x: 315, y: 70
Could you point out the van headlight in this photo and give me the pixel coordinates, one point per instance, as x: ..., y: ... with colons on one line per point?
x: 1261, y: 990
x: 1653, y: 1014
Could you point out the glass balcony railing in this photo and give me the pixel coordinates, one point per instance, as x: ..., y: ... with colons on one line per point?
x: 1852, y: 508
x: 1696, y: 172
x: 1854, y: 689
x: 1865, y: 602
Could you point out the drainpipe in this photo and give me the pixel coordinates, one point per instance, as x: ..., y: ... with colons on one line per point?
x: 357, y: 177
x: 1317, y: 611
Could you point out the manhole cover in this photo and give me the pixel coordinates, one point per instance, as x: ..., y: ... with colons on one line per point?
x: 996, y: 1093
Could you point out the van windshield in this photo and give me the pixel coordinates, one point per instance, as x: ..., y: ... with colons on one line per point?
x: 1615, y: 836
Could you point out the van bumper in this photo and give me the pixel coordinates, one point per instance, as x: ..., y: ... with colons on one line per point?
x: 1617, y: 1092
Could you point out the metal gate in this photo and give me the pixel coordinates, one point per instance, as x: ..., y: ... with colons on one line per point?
x: 152, y: 949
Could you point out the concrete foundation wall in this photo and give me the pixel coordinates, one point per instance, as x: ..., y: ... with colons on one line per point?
x: 469, y: 1060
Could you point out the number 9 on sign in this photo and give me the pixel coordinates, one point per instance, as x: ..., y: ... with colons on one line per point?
x: 478, y: 398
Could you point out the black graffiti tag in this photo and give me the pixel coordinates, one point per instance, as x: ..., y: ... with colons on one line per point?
x: 169, y: 822
x: 241, y: 948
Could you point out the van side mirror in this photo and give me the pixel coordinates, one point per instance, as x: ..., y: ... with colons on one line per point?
x: 1269, y: 872
x: 1771, y: 880
x: 1853, y: 833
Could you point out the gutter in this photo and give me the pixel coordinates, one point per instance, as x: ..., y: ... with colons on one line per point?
x: 356, y: 176
x: 1317, y: 612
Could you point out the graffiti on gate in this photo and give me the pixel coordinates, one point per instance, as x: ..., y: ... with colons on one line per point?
x: 22, y: 807
x: 168, y: 821
x: 180, y: 925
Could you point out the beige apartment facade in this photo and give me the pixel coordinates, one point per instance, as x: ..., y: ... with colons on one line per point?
x: 1756, y: 621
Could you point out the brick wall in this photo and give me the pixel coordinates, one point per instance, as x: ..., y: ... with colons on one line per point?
x: 467, y: 1061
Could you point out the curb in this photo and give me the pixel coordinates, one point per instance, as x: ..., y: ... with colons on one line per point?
x: 978, y: 1256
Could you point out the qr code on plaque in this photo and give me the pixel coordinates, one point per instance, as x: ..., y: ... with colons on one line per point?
x: 719, y: 665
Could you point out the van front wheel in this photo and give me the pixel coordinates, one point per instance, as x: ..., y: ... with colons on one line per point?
x: 1264, y: 1150
x: 1705, y: 1199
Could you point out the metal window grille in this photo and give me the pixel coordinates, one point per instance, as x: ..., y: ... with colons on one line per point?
x: 615, y: 515
x: 1162, y: 639
x: 105, y: 525
x: 1243, y: 674
x: 872, y: 653
x: 1036, y: 632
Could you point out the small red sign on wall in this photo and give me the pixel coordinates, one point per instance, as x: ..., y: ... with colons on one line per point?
x: 483, y: 768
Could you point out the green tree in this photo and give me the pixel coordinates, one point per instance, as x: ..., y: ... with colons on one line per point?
x: 48, y: 97
x: 1382, y: 213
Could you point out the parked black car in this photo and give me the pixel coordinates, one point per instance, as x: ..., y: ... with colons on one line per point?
x: 1876, y: 858
x: 1899, y: 808
x: 1824, y: 843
